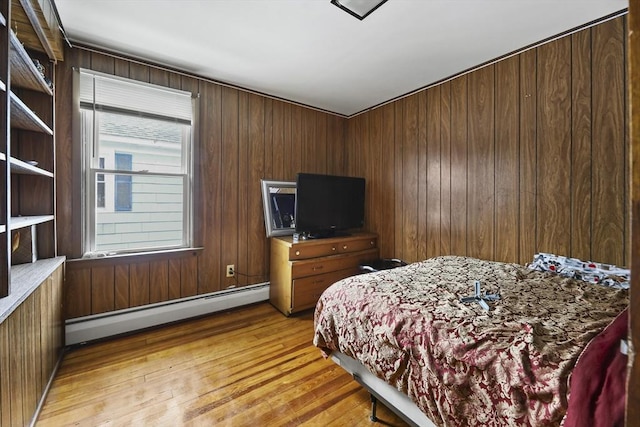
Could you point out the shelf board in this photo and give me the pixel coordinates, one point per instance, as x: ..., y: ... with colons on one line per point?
x: 26, y: 221
x: 26, y: 278
x: 3, y: 87
x: 3, y: 157
x: 3, y: 20
x: 24, y: 73
x: 23, y: 118
x: 3, y: 228
x: 18, y: 166
x: 39, y: 27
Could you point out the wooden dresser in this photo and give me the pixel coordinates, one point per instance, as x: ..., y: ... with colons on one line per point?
x: 301, y: 271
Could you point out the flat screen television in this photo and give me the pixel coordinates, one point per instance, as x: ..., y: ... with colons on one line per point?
x: 328, y: 205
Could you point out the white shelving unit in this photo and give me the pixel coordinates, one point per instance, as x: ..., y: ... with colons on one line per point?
x: 27, y: 157
x: 5, y: 253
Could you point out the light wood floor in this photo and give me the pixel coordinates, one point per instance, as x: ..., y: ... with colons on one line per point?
x: 248, y: 367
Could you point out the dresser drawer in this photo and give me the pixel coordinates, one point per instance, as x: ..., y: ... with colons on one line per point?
x: 307, y: 290
x: 317, y: 249
x: 314, y: 250
x: 356, y: 245
x: 329, y: 264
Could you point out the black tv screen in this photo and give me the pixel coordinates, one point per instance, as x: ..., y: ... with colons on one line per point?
x: 328, y: 205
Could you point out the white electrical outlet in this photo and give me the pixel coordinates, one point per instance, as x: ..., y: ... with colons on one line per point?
x: 231, y: 270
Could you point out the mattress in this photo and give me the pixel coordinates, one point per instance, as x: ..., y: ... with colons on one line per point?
x: 460, y: 363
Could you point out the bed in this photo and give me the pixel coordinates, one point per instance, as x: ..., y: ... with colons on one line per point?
x: 520, y: 350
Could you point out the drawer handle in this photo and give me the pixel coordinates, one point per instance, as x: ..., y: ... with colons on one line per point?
x: 372, y: 243
x: 344, y: 247
x: 333, y: 248
x: 318, y: 282
x: 320, y: 267
x: 297, y: 252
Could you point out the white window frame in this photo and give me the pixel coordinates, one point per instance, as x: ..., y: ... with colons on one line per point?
x: 91, y: 168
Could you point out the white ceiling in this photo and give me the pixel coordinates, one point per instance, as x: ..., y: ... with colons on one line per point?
x: 311, y: 52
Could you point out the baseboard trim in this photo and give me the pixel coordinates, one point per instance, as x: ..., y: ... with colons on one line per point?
x: 90, y: 328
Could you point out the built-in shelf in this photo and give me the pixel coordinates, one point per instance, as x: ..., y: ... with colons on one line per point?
x: 29, y: 188
x: 26, y: 221
x: 3, y: 88
x: 24, y: 73
x: 23, y: 118
x: 18, y: 166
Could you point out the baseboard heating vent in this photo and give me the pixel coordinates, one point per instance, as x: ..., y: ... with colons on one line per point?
x: 94, y: 327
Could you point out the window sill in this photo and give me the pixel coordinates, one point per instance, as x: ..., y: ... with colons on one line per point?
x: 119, y: 259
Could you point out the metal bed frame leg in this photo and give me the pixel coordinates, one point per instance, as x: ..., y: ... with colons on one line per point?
x: 374, y: 403
x: 374, y: 406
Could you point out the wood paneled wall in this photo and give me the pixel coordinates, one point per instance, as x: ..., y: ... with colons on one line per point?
x: 31, y: 343
x: 100, y: 286
x: 524, y: 155
x: 242, y: 137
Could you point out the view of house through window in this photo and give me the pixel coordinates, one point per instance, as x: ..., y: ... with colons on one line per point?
x: 137, y: 140
x: 100, y: 185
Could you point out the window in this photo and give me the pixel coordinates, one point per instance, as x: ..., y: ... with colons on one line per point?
x: 137, y: 141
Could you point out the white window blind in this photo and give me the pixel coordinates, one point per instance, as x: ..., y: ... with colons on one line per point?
x: 107, y: 92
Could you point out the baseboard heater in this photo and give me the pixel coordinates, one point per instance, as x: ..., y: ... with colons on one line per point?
x: 94, y: 327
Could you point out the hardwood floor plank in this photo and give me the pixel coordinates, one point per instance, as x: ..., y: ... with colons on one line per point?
x: 248, y: 366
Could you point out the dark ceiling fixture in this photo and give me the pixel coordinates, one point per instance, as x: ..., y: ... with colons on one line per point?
x: 358, y: 8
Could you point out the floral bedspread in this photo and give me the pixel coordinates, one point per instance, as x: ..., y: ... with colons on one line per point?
x: 460, y: 364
